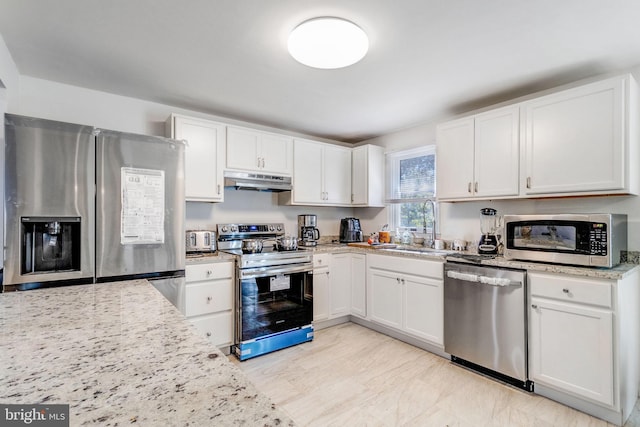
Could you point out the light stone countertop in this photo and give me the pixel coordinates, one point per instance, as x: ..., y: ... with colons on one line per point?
x: 615, y: 273
x: 206, y: 258
x: 120, y: 353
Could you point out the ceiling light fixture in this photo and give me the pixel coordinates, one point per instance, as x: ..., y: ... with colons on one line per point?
x: 328, y: 43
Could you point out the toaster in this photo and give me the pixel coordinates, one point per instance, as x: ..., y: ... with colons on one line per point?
x: 200, y: 241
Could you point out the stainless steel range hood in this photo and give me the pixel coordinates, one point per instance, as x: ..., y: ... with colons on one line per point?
x: 257, y: 182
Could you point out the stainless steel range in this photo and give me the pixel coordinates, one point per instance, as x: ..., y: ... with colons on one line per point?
x: 274, y: 292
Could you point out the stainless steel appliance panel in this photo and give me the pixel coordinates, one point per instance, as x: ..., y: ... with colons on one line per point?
x: 485, y: 317
x: 118, y: 254
x: 173, y: 289
x: 594, y: 240
x: 49, y: 172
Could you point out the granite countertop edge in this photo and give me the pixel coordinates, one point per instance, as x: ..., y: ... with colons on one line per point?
x: 615, y: 273
x: 120, y: 353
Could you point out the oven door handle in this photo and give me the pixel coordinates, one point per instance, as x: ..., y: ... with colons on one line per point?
x: 252, y: 273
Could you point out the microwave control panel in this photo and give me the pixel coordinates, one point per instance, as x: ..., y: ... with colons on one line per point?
x: 598, y: 239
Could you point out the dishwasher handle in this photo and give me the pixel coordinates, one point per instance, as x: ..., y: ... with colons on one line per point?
x: 486, y: 280
x: 467, y: 277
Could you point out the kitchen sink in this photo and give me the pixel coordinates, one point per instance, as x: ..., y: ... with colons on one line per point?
x: 425, y: 251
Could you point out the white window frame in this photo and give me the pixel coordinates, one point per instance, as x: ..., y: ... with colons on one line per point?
x: 393, y: 197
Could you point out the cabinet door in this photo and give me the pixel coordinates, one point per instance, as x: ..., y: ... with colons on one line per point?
x: 423, y: 308
x: 276, y: 153
x: 455, y: 157
x: 307, y: 175
x: 217, y: 328
x: 571, y: 349
x: 386, y: 297
x: 367, y: 176
x: 574, y: 140
x: 336, y: 170
x: 358, y: 285
x: 243, y: 149
x: 497, y: 155
x: 208, y: 297
x: 340, y: 285
x: 320, y: 294
x: 204, y: 158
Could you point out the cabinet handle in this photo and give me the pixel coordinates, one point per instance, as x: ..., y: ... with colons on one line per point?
x: 469, y: 188
x: 402, y: 281
x: 208, y: 334
x: 218, y: 189
x: 528, y: 182
x: 475, y: 187
x: 258, y: 162
x: 565, y: 290
x: 534, y: 306
x: 209, y: 272
x: 209, y: 300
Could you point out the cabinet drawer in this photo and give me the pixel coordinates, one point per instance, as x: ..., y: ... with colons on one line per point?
x: 208, y: 297
x: 572, y: 289
x: 215, y: 270
x: 217, y: 328
x: 321, y: 260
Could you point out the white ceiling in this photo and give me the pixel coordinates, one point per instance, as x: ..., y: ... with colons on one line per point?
x: 427, y: 58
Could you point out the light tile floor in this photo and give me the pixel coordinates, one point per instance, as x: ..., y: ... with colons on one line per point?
x: 353, y: 376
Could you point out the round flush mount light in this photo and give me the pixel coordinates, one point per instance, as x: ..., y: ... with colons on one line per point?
x: 328, y: 43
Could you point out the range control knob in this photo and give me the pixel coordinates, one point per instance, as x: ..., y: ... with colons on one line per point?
x: 271, y: 228
x: 234, y: 228
x: 224, y: 229
x: 279, y: 228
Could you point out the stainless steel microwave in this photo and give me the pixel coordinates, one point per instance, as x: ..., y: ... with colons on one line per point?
x: 593, y: 240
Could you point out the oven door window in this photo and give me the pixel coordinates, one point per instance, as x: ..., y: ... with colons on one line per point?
x: 275, y: 303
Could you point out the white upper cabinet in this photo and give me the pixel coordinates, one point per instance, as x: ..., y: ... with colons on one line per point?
x: 256, y: 151
x: 367, y: 176
x: 322, y: 174
x: 582, y: 140
x: 477, y: 156
x: 576, y: 142
x: 204, y: 156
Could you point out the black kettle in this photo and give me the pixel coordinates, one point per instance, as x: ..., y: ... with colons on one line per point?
x: 350, y: 230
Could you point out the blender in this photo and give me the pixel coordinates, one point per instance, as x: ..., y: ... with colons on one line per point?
x: 488, y: 244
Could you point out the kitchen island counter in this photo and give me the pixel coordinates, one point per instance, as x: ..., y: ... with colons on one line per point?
x: 120, y: 353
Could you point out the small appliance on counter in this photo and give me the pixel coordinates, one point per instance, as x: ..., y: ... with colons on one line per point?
x: 488, y: 244
x: 200, y: 241
x: 308, y: 234
x: 591, y: 240
x: 350, y: 230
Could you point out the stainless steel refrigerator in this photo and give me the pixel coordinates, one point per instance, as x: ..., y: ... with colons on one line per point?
x: 87, y: 205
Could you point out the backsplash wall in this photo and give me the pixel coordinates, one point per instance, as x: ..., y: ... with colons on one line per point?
x: 253, y: 206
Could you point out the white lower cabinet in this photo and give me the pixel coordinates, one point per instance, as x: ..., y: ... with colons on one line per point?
x: 321, y: 287
x: 339, y: 285
x: 209, y: 300
x: 359, y: 285
x: 583, y: 340
x: 407, y: 295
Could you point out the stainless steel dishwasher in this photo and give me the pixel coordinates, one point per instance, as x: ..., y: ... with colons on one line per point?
x: 485, y: 320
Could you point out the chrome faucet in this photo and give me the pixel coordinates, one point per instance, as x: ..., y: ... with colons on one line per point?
x: 430, y: 242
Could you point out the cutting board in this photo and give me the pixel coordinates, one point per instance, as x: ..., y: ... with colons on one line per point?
x: 377, y: 246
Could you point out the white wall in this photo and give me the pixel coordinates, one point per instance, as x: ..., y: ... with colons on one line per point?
x: 462, y: 219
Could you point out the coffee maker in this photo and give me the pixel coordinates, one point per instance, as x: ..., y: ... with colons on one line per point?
x: 350, y: 230
x: 308, y: 234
